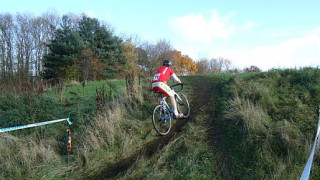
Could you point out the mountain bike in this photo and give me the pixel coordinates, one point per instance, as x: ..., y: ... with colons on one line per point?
x: 163, y: 113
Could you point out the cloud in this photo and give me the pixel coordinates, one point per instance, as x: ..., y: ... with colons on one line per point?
x: 288, y: 47
x: 90, y: 13
x: 196, y: 27
x: 290, y: 53
x: 108, y: 17
x: 248, y: 25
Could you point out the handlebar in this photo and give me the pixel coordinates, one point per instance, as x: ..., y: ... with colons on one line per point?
x: 179, y: 84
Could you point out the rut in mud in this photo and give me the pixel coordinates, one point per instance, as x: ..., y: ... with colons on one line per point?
x: 147, y: 150
x: 212, y: 106
x: 199, y: 101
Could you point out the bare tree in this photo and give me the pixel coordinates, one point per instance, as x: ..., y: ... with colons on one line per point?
x: 43, y: 31
x: 23, y: 40
x: 252, y: 69
x: 24, y: 45
x: 7, y: 50
x: 203, y: 66
x: 220, y: 65
x: 215, y: 65
x: 163, y: 49
x: 150, y: 56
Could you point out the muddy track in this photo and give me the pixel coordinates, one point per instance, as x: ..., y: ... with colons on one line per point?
x: 200, y: 101
x: 150, y: 148
x: 208, y: 103
x: 215, y: 134
x: 147, y: 150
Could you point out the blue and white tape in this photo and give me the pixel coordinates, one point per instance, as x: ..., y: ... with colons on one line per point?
x: 307, y: 169
x: 34, y: 125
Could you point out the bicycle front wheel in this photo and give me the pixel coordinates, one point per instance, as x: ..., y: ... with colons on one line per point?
x: 183, y: 104
x: 161, y: 120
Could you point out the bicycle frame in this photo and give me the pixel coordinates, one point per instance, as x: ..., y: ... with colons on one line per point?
x: 165, y: 105
x: 176, y: 94
x: 163, y: 113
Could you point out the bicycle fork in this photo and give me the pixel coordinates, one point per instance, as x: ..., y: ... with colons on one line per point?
x: 165, y: 110
x: 178, y: 99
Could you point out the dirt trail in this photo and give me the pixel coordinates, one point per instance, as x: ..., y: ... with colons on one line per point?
x: 210, y: 105
x: 148, y: 149
x: 199, y: 101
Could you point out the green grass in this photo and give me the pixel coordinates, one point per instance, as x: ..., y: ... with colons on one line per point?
x: 264, y: 124
x: 90, y: 88
x: 74, y: 100
x: 99, y: 137
x: 75, y: 88
x: 269, y: 119
x: 188, y: 156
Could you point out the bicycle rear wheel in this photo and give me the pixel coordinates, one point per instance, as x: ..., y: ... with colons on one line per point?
x: 161, y: 120
x: 183, y: 104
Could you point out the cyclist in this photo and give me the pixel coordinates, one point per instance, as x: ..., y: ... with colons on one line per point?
x: 159, y: 84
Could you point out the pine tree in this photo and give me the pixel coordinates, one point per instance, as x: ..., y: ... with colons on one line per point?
x: 76, y: 51
x: 64, y: 48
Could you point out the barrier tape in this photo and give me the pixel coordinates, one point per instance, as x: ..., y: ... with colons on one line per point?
x: 33, y: 125
x: 306, y: 172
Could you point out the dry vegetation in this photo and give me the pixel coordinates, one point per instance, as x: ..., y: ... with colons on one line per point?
x: 112, y: 134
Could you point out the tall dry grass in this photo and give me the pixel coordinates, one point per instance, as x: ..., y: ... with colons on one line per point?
x: 253, y: 116
x: 114, y: 133
x: 275, y: 143
x: 273, y: 116
x: 24, y: 158
x: 187, y: 156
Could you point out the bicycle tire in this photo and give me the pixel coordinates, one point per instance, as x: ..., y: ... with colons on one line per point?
x: 183, y: 104
x: 162, y: 120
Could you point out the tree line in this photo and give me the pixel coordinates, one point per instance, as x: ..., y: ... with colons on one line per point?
x: 77, y: 47
x: 23, y: 43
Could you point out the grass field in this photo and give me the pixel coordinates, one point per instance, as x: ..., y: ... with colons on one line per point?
x: 100, y: 135
x: 242, y: 126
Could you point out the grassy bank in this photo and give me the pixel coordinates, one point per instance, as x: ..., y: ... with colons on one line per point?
x: 101, y: 134
x: 242, y: 126
x: 56, y: 102
x: 188, y: 155
x: 269, y: 120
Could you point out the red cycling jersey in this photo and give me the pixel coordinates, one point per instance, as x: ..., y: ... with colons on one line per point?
x: 163, y: 74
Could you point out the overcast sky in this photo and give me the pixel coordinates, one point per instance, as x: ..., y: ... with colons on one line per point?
x: 268, y: 34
